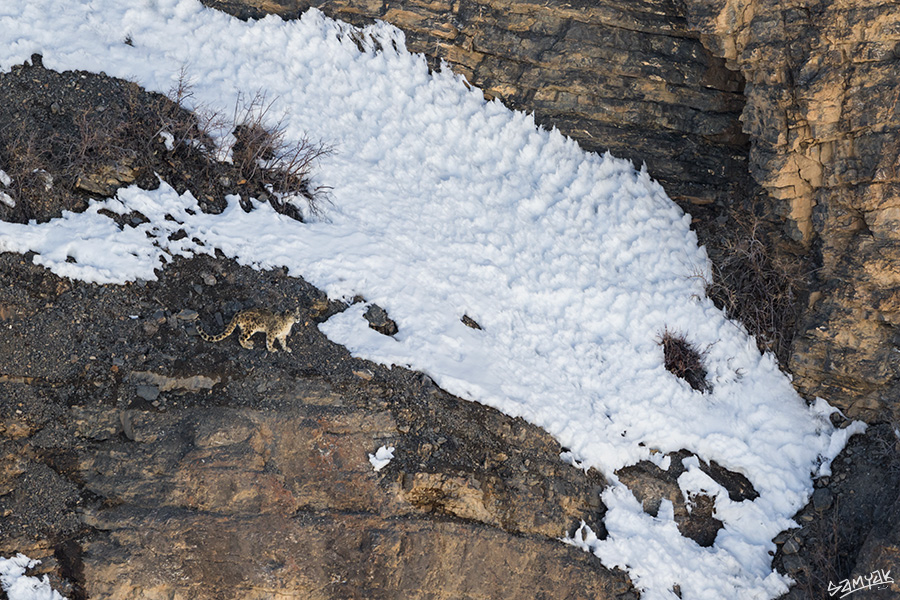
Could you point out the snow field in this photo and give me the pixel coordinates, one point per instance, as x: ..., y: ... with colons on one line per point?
x: 445, y: 205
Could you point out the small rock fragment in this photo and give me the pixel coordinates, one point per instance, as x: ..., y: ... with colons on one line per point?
x: 470, y: 322
x: 380, y: 321
x: 791, y: 546
x: 147, y: 392
x: 126, y: 419
x: 822, y: 499
x: 364, y: 374
x: 782, y: 537
x: 793, y: 564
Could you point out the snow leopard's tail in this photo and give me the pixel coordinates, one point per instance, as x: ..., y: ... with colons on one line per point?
x: 218, y: 338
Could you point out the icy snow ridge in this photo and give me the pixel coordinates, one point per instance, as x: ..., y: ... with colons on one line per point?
x: 446, y: 205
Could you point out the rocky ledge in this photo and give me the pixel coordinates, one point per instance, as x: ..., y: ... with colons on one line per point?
x: 784, y: 111
x: 140, y: 461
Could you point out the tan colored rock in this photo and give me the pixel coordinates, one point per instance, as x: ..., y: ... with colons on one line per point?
x: 458, y: 496
x: 166, y: 383
x: 824, y: 140
x: 150, y: 554
x: 106, y: 179
x: 241, y: 503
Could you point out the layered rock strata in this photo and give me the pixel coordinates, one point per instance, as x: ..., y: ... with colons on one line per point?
x: 823, y: 118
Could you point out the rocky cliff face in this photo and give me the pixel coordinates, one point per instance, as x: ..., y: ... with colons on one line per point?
x: 137, y: 466
x: 823, y: 118
x: 790, y: 110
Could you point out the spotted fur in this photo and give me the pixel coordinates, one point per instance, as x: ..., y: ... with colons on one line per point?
x: 276, y: 326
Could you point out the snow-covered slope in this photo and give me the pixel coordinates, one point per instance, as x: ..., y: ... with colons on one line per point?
x: 445, y: 205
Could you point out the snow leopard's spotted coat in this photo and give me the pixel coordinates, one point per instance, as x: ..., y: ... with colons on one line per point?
x: 276, y: 326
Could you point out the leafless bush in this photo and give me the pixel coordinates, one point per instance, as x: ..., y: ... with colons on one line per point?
x: 683, y: 360
x: 191, y: 128
x: 758, y: 286
x: 827, y: 560
x: 26, y: 158
x: 263, y: 154
x: 266, y: 164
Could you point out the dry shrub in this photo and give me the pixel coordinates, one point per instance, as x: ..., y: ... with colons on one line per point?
x: 131, y: 136
x: 758, y: 285
x: 262, y: 154
x: 24, y: 160
x: 91, y: 148
x: 683, y: 360
x: 829, y: 555
x: 828, y: 561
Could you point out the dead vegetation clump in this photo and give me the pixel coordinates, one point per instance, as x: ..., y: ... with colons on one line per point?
x: 279, y: 168
x: 68, y: 137
x: 758, y: 285
x: 828, y: 561
x: 683, y: 360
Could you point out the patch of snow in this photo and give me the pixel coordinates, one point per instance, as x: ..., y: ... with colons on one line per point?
x: 663, y: 461
x: 7, y: 200
x: 19, y: 586
x: 382, y: 457
x: 168, y: 140
x: 446, y: 205
x: 584, y: 538
x: 4, y: 178
x: 104, y: 253
x: 569, y: 458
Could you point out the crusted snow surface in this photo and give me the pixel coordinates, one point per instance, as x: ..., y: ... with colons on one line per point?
x: 446, y: 205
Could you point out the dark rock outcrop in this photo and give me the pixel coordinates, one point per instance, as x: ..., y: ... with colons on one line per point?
x: 850, y: 527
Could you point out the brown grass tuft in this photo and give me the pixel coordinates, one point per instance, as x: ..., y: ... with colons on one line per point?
x: 683, y: 360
